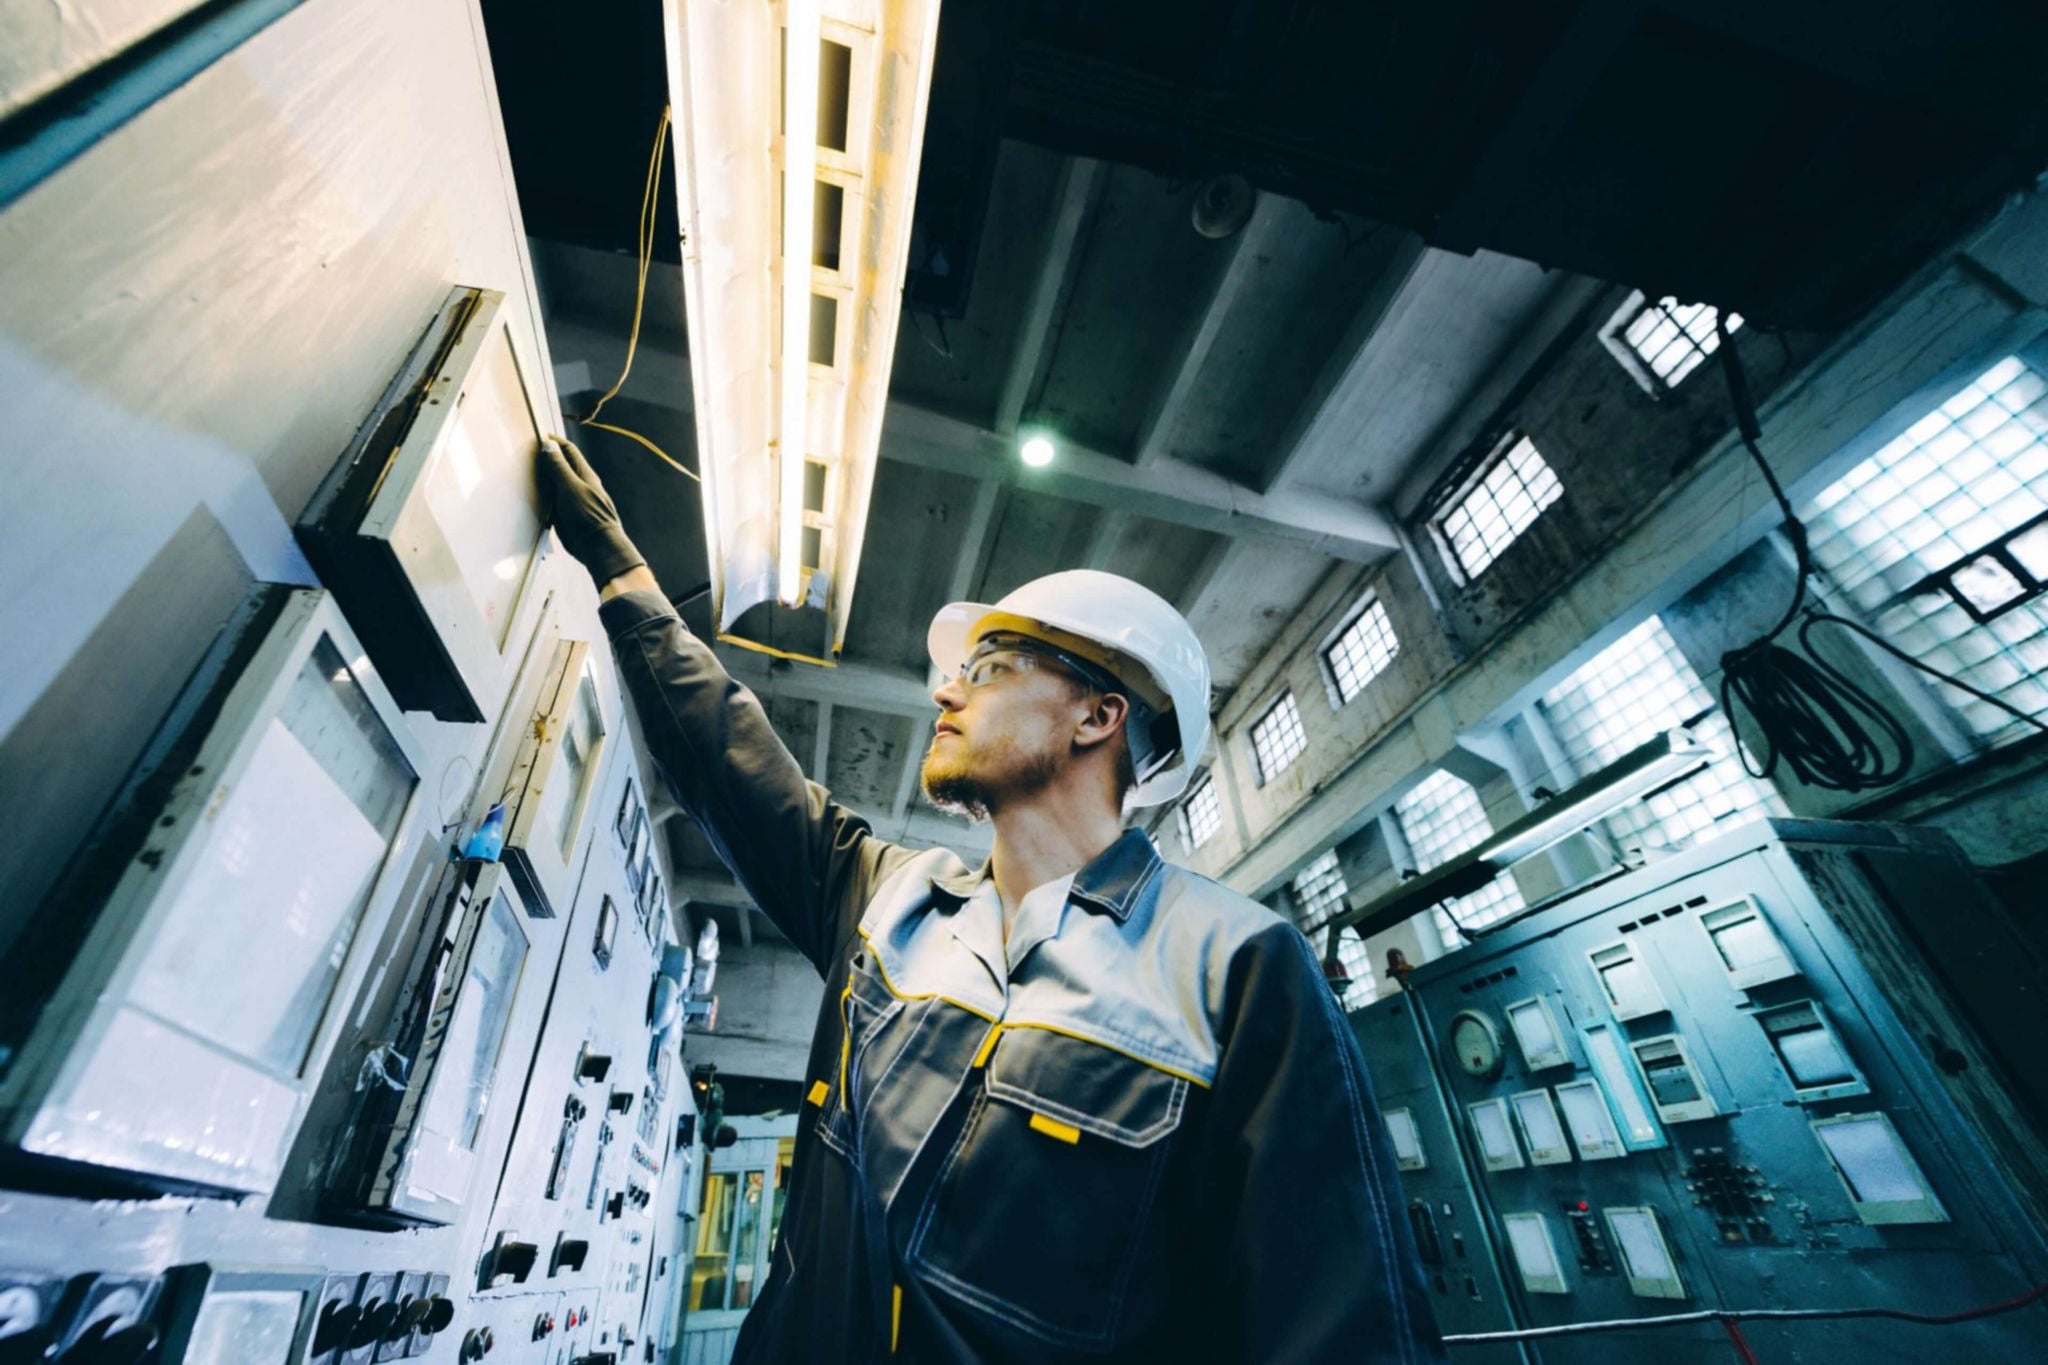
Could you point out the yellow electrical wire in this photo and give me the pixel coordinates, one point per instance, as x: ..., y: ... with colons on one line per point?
x: 645, y: 243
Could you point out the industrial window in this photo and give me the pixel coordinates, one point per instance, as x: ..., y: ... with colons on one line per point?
x: 1277, y: 737
x: 1441, y: 817
x: 1957, y: 481
x: 1636, y: 687
x: 1201, y: 814
x: 1319, y: 892
x: 1661, y: 343
x: 1361, y: 651
x: 1503, y: 503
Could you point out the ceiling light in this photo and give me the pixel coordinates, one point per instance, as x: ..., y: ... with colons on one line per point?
x: 792, y: 315
x: 1037, y: 452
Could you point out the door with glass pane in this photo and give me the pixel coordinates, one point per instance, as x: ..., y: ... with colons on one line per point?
x: 733, y: 1240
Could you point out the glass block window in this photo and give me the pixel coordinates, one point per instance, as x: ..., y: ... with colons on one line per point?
x: 1495, y: 511
x: 1277, y: 737
x: 1362, y: 650
x: 1201, y: 814
x: 1319, y: 892
x: 1671, y: 338
x: 1959, y: 478
x: 1640, y: 685
x: 1441, y: 817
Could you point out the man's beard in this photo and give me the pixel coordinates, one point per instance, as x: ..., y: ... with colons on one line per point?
x: 952, y: 788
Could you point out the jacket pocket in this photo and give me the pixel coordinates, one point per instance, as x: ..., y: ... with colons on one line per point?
x: 866, y: 1007
x: 1044, y: 1213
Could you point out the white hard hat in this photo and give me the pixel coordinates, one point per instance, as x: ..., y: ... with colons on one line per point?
x: 1128, y: 624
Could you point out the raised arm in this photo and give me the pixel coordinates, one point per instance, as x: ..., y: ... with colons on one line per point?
x: 807, y: 861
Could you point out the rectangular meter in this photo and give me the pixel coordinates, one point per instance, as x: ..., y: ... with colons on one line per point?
x: 1884, y: 1182
x: 554, y: 773
x: 1645, y: 1255
x: 1625, y: 981
x: 1676, y: 1087
x: 261, y: 840
x: 1537, y: 1114
x: 1590, y: 1121
x: 234, y: 1315
x: 1534, y: 1253
x: 424, y: 1159
x: 429, y: 528
x: 1498, y: 1149
x: 1407, y: 1140
x: 1746, y: 945
x: 1536, y: 1030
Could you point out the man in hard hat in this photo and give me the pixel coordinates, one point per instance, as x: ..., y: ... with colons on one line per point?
x: 1076, y: 1103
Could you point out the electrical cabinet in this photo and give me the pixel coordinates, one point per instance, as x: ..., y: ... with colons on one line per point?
x: 1724, y: 1081
x: 263, y: 829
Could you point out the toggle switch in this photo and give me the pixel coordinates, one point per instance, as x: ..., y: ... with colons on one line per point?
x: 569, y: 1252
x: 621, y: 1101
x: 507, y: 1256
x: 592, y: 1066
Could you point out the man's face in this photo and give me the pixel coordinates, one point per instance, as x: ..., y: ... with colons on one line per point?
x: 1005, y: 728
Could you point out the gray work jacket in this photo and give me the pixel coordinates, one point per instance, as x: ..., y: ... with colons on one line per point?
x: 1139, y: 1130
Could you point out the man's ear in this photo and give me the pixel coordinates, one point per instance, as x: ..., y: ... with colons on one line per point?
x: 1106, y: 716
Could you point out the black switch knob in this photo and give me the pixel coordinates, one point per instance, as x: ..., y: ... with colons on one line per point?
x: 621, y: 1101
x: 402, y: 1319
x: 374, y: 1324
x: 337, y: 1324
x: 615, y: 1207
x: 440, y: 1313
x: 476, y: 1345
x: 592, y: 1066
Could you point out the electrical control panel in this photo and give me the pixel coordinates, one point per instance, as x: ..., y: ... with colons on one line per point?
x: 368, y: 977
x: 1689, y: 1087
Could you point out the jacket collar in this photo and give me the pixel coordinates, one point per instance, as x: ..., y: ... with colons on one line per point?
x: 1111, y: 883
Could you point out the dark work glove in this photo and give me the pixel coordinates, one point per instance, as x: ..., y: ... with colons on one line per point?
x: 583, y: 513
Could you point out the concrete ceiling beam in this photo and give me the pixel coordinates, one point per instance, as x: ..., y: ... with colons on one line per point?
x: 1315, y: 426
x: 869, y: 687
x: 1055, y: 269
x: 1102, y: 541
x: 1171, y: 490
x: 1246, y: 250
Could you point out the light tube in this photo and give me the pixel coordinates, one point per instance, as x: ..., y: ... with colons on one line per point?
x: 799, y: 180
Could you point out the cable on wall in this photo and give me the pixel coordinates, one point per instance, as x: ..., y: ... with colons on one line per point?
x: 1829, y: 730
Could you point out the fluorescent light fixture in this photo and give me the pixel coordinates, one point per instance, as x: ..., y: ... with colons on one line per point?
x: 1036, y: 452
x: 799, y: 126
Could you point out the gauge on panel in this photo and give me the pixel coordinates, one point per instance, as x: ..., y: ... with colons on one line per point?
x: 1475, y: 1042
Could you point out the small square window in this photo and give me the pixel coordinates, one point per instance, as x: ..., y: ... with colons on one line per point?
x: 1277, y: 737
x: 1201, y: 814
x: 1503, y: 503
x: 1361, y: 651
x: 1661, y: 343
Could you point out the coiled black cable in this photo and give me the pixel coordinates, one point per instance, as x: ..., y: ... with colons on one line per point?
x: 1830, y: 731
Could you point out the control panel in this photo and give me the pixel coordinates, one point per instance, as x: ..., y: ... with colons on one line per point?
x: 1688, y: 1088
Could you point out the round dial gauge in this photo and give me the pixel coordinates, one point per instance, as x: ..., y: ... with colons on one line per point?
x: 1475, y: 1042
